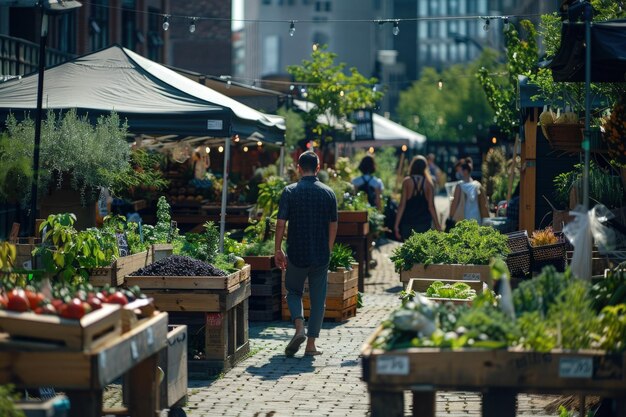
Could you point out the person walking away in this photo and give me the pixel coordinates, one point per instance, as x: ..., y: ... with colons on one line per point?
x: 308, y: 209
x: 469, y: 200
x: 368, y: 183
x: 416, y: 211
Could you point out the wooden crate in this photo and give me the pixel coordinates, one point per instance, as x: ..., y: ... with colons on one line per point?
x: 499, y: 374
x: 173, y: 362
x: 353, y: 229
x: 341, y: 295
x: 24, y: 255
x: 260, y: 263
x: 93, y: 330
x: 228, y: 282
x: 422, y: 284
x: 265, y: 308
x: 452, y: 272
x: 160, y: 251
x: 345, y: 216
x: 114, y: 275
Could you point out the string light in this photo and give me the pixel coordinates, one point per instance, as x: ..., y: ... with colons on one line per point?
x: 207, y: 149
x: 440, y: 84
x: 404, y: 148
x: 236, y: 138
x: 259, y: 143
x: 486, y: 27
x: 220, y: 149
x: 396, y: 28
x: 314, y: 47
x: 245, y: 149
x: 166, y: 22
x: 371, y: 149
x: 192, y: 25
x: 292, y: 28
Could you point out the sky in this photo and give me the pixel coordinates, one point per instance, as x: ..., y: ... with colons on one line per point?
x: 237, y: 14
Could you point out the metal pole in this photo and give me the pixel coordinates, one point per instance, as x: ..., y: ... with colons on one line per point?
x: 38, y: 116
x: 224, y: 192
x: 586, y: 138
x: 281, y: 168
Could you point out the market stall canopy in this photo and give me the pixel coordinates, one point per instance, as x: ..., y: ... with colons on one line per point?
x: 392, y: 133
x: 608, y: 52
x: 154, y: 99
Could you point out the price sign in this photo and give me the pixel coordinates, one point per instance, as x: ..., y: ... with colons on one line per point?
x: 392, y: 365
x: 122, y: 244
x: 134, y: 352
x: 471, y: 276
x: 575, y: 367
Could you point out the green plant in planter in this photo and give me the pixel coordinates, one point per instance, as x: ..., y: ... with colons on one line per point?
x: 201, y: 246
x: 341, y: 257
x: 8, y: 396
x: 143, y: 177
x: 71, y: 149
x: 604, y: 188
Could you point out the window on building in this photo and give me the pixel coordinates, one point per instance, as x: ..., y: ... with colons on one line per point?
x: 155, y: 42
x: 472, y: 6
x: 129, y: 24
x: 453, y: 7
x: 67, y: 33
x: 453, y: 27
x: 271, y: 54
x: 434, y: 7
x: 454, y: 53
x: 323, y: 6
x: 99, y: 24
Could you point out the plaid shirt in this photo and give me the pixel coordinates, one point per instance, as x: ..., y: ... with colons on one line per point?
x: 309, y: 206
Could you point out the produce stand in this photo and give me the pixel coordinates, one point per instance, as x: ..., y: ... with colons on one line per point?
x: 341, y: 296
x: 499, y: 374
x: 445, y: 271
x: 83, y: 374
x: 265, y: 301
x: 420, y: 285
x: 213, y: 308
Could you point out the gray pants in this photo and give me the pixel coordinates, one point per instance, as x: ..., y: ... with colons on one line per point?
x: 294, y: 283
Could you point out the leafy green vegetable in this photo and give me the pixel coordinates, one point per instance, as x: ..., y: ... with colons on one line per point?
x: 341, y: 256
x: 458, y: 290
x: 540, y: 292
x: 467, y: 243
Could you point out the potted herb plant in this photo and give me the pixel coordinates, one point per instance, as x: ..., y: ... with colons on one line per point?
x: 547, y: 248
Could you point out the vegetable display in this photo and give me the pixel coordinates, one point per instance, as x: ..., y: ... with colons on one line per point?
x: 552, y: 311
x: 467, y: 243
x: 176, y: 265
x: 458, y: 290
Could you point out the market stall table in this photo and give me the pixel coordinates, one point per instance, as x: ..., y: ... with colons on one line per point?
x: 82, y: 375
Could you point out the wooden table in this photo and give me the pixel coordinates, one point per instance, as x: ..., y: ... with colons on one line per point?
x: 499, y: 374
x: 82, y: 375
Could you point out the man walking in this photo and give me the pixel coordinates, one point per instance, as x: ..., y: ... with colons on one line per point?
x: 310, y: 207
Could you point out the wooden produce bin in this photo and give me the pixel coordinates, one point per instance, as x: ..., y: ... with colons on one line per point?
x: 83, y: 374
x: 114, y: 275
x: 353, y: 229
x: 450, y: 272
x: 499, y: 374
x: 341, y: 296
x: 173, y: 362
x: 264, y: 303
x: 215, y: 310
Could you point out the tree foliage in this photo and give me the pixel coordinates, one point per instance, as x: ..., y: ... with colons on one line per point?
x: 335, y: 94
x: 295, y: 127
x: 456, y: 111
x: 521, y: 54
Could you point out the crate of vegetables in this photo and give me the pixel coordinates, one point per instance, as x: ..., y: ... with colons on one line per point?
x: 119, y: 268
x: 456, y: 292
x: 76, y: 322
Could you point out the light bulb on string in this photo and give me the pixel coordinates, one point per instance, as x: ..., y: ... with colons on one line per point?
x: 192, y: 25
x: 236, y: 138
x: 292, y: 28
x: 506, y: 23
x: 166, y: 22
x: 245, y: 149
x: 404, y: 148
x: 440, y: 84
x: 315, y: 47
x: 207, y: 149
x: 259, y: 144
x: 396, y: 28
x: 220, y: 149
x: 486, y: 26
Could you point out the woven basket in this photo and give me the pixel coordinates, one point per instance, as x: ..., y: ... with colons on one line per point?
x: 566, y: 137
x: 555, y: 254
x: 518, y: 241
x: 518, y: 263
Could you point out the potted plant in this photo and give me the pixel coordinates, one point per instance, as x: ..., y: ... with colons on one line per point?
x: 77, y: 158
x: 547, y: 248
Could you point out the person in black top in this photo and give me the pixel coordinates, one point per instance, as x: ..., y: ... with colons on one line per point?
x: 368, y: 183
x: 416, y: 211
x: 310, y: 207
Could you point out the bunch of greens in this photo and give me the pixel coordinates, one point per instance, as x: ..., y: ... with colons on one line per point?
x: 259, y: 248
x: 458, y: 290
x: 604, y: 188
x: 341, y: 257
x: 611, y: 290
x: 201, y: 246
x: 162, y: 232
x: 467, y: 243
x: 260, y: 237
x: 539, y: 293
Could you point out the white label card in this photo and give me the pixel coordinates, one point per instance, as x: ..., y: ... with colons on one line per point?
x: 134, y: 352
x: 214, y: 125
x: 576, y: 367
x: 392, y: 365
x: 150, y: 336
x: 471, y: 276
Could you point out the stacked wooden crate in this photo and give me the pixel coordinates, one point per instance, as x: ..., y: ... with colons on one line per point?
x: 341, y: 296
x: 215, y: 310
x: 264, y: 303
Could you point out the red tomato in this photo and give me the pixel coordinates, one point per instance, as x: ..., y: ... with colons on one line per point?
x: 56, y: 303
x: 18, y: 301
x: 117, y: 298
x: 3, y: 301
x: 34, y: 299
x: 95, y: 303
x: 73, y: 310
x: 47, y: 309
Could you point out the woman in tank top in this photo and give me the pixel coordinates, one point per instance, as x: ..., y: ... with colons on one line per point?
x: 416, y: 211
